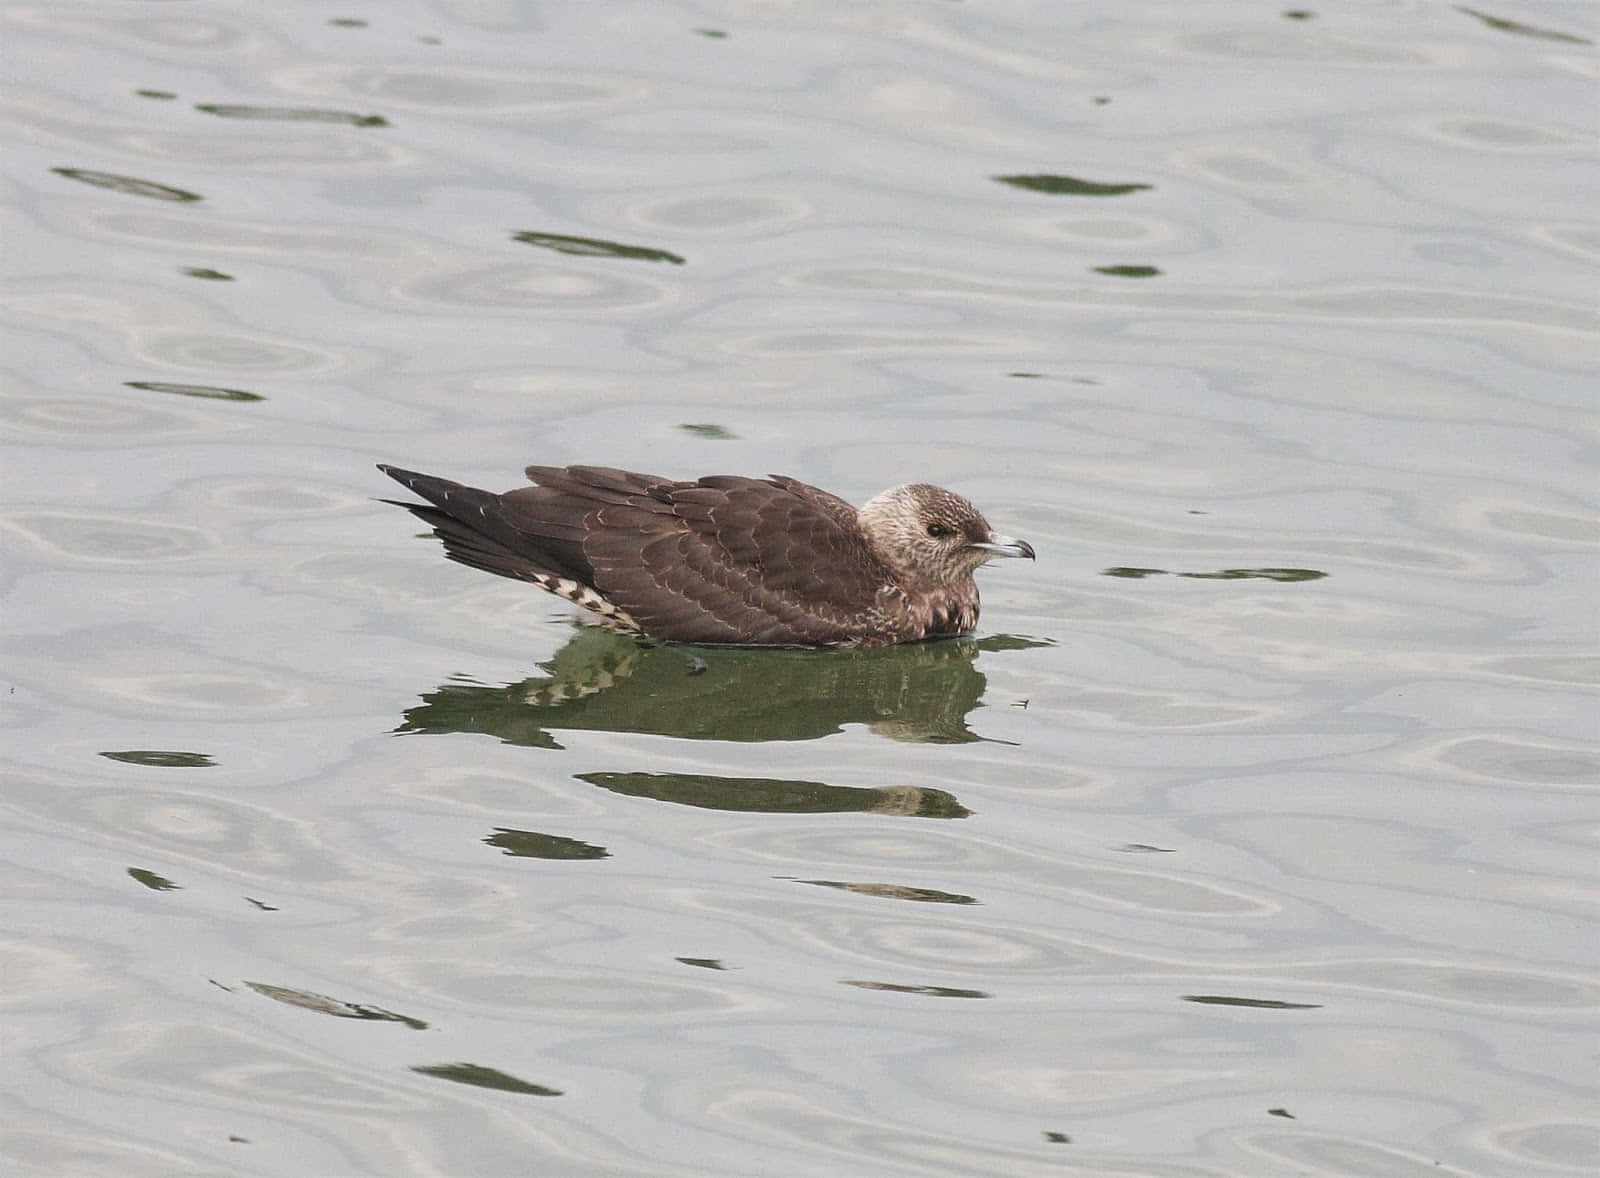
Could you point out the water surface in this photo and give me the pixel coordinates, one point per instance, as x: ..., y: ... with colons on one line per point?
x: 1251, y: 834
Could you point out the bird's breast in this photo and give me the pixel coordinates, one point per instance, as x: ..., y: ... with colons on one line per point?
x: 951, y: 617
x: 924, y: 611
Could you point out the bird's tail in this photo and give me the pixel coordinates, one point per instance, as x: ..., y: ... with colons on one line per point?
x: 475, y: 531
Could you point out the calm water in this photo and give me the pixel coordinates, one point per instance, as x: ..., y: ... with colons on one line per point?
x: 1253, y: 834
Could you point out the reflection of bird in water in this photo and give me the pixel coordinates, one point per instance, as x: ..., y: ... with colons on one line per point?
x: 607, y: 682
x: 726, y: 560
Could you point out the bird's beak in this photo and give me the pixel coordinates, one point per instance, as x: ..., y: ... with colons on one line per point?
x: 998, y: 545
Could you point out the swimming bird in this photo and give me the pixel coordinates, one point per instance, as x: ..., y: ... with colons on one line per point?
x: 725, y: 560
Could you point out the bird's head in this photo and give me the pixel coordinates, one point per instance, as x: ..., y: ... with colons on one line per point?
x: 933, y: 532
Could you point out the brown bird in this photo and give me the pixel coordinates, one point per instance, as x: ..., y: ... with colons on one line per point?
x: 725, y: 560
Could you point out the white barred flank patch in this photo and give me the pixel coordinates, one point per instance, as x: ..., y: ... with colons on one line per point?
x: 580, y: 594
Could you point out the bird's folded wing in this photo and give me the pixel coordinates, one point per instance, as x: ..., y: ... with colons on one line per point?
x: 731, y: 559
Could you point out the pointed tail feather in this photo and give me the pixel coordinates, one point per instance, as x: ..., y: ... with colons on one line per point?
x: 472, y: 525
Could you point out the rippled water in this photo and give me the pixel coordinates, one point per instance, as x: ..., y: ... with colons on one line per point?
x: 1254, y: 832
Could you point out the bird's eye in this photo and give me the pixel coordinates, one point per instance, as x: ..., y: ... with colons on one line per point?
x: 938, y: 531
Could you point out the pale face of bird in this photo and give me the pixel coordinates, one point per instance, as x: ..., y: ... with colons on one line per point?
x: 934, y: 532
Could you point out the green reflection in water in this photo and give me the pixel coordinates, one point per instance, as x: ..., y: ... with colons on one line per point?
x: 481, y: 1077
x: 131, y: 185
x: 1504, y: 25
x: 289, y: 114
x: 156, y: 883
x: 1127, y: 271
x: 1269, y: 574
x: 702, y: 962
x: 1254, y: 1003
x: 705, y: 429
x: 322, y: 1004
x: 594, y: 247
x: 776, y: 795
x: 208, y: 274
x: 530, y: 844
x: 1068, y: 185
x: 930, y: 991
x: 163, y: 95
x: 888, y: 891
x: 211, y: 392
x: 612, y: 683
x: 161, y: 758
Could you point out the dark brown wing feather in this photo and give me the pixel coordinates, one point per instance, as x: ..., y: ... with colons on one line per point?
x: 732, y: 559
x: 477, y: 531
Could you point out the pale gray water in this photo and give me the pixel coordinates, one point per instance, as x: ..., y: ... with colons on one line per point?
x: 1166, y: 875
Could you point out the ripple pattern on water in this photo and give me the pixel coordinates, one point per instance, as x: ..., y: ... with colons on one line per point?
x: 1271, y: 851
